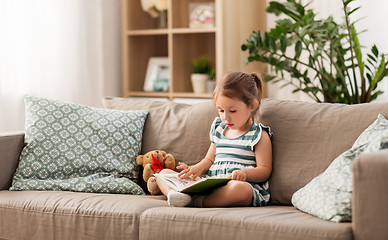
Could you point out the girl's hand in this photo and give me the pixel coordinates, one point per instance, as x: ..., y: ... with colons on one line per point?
x: 238, y: 175
x: 191, y: 172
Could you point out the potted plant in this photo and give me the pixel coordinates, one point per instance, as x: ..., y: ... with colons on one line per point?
x: 211, y: 83
x: 200, y: 75
x: 335, y: 69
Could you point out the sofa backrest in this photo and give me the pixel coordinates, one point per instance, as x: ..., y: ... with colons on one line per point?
x: 307, y: 136
x: 11, y: 145
x: 179, y: 129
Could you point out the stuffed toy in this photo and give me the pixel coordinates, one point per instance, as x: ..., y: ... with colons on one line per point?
x: 154, y: 162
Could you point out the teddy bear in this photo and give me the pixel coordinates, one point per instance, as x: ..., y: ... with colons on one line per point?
x: 154, y: 162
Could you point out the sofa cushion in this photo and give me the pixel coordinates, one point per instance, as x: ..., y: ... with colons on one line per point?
x: 71, y: 215
x: 329, y: 195
x: 79, y: 148
x: 177, y: 128
x: 308, y: 137
x: 271, y: 222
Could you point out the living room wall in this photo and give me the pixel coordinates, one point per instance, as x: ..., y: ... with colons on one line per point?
x: 68, y: 50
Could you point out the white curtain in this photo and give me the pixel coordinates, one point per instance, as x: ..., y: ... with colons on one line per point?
x: 67, y: 50
x: 374, y: 17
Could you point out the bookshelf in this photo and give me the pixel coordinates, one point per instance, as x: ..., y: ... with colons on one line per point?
x: 142, y: 39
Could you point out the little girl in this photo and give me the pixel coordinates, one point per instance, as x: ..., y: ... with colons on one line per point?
x: 240, y: 149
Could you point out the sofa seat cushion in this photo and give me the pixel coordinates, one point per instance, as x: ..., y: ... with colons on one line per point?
x: 271, y: 222
x: 71, y: 215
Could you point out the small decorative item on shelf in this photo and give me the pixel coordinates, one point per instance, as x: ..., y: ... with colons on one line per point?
x: 200, y: 75
x: 156, y: 8
x: 158, y: 75
x: 161, y: 84
x: 201, y: 15
x: 163, y: 19
x: 211, y: 83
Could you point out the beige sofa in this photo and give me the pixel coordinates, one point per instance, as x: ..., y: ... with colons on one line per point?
x: 307, y: 137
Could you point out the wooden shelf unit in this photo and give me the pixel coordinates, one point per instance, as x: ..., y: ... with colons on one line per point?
x: 142, y: 39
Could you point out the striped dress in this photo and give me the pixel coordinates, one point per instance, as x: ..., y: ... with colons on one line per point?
x: 238, y: 153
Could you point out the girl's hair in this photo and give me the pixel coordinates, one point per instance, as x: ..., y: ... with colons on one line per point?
x: 245, y: 87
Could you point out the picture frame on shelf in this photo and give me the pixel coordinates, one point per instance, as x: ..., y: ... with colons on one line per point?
x: 158, y: 75
x: 202, y: 15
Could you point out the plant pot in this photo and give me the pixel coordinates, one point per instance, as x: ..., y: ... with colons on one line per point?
x: 211, y: 85
x: 199, y: 82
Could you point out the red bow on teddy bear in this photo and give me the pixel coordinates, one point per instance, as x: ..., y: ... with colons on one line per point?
x: 156, y: 164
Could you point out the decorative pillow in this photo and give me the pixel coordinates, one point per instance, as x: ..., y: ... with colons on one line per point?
x: 79, y: 148
x: 329, y: 195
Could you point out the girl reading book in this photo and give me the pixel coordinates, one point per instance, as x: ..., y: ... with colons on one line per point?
x: 240, y: 149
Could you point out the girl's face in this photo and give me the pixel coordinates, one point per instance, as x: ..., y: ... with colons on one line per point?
x: 234, y: 113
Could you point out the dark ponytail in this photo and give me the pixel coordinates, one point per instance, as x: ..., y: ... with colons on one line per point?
x: 259, y: 84
x: 246, y: 87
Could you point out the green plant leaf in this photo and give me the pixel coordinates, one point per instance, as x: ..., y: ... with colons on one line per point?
x: 346, y: 3
x: 367, y: 67
x: 260, y: 39
x: 298, y: 49
x: 375, y: 51
x: 283, y: 44
x: 286, y: 23
x: 375, y: 95
x: 201, y: 65
x: 357, y: 51
x: 371, y: 57
x: 268, y: 78
x: 288, y: 8
x: 272, y: 43
x: 353, y: 10
x: 380, y: 72
x: 267, y: 41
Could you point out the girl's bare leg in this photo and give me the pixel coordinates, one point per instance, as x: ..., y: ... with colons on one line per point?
x: 235, y: 193
x: 174, y: 199
x: 163, y: 186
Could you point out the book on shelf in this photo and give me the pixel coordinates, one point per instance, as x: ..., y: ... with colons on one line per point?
x: 187, y: 185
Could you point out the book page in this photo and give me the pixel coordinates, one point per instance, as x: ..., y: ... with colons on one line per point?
x: 180, y: 183
x: 186, y: 185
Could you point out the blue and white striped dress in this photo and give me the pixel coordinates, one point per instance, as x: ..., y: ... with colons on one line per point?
x: 238, y: 153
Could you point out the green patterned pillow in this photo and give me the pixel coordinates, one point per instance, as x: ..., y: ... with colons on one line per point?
x: 329, y: 195
x: 78, y: 148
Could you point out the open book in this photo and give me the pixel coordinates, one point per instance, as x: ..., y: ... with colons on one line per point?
x: 186, y: 185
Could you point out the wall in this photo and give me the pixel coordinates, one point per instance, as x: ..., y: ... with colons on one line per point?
x: 67, y: 50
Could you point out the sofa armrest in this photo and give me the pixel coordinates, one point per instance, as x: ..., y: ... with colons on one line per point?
x: 370, y: 196
x: 11, y: 145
